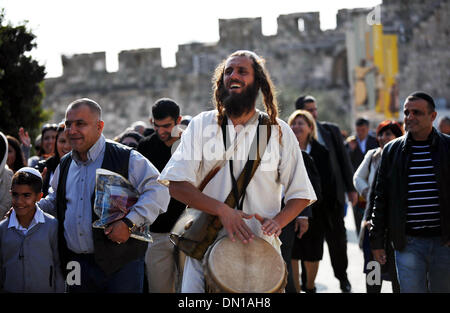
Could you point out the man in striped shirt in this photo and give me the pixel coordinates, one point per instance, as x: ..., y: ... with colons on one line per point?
x: 412, y: 204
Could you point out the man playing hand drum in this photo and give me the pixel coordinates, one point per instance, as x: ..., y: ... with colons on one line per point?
x: 237, y: 82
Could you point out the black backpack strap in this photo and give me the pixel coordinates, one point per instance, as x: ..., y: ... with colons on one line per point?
x: 247, y: 168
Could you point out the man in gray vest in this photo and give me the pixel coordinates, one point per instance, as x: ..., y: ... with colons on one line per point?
x: 109, y: 259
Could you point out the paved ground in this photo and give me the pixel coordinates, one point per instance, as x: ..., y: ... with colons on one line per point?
x: 325, y: 280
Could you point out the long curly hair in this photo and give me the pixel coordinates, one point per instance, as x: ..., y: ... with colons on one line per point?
x: 262, y: 80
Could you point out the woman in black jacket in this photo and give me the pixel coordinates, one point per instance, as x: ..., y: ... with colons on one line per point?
x: 309, y: 247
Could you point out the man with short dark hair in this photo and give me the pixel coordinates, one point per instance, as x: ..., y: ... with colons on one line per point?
x: 161, y: 257
x: 110, y: 260
x: 329, y: 135
x: 412, y: 203
x: 362, y: 142
x: 357, y: 147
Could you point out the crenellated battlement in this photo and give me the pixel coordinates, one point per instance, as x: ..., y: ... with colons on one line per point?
x: 300, y: 58
x: 84, y: 64
x: 245, y: 33
x: 141, y: 59
x: 299, y: 23
x: 240, y: 29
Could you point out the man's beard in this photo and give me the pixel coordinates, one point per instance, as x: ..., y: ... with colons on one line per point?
x: 238, y: 104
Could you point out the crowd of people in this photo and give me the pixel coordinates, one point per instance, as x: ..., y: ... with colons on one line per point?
x: 248, y: 174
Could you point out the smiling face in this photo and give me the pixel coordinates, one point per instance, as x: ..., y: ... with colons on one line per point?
x: 23, y: 201
x: 302, y: 130
x: 163, y: 128
x: 238, y: 74
x: 83, y: 129
x: 239, y: 91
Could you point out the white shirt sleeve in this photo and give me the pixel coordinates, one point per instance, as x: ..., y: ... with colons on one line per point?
x: 361, y: 176
x: 153, y: 197
x: 184, y: 165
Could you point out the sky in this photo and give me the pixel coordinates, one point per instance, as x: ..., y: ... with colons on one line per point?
x: 65, y: 27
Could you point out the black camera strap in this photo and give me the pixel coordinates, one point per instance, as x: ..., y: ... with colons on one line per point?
x: 239, y: 193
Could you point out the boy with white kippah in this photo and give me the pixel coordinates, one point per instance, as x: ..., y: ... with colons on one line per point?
x: 29, y: 260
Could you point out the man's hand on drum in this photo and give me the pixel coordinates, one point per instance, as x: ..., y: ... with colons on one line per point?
x: 233, y: 222
x: 269, y: 226
x: 118, y: 232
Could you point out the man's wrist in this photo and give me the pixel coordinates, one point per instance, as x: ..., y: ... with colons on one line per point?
x: 129, y: 224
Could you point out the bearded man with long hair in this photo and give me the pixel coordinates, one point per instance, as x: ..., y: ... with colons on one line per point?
x: 236, y: 84
x: 235, y: 104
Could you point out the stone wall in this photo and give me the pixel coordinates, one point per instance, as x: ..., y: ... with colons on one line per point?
x: 301, y: 58
x: 424, y: 34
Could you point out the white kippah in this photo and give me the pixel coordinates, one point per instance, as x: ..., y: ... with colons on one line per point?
x: 30, y: 170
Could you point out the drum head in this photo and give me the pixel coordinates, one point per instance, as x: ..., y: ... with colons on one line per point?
x: 246, y: 268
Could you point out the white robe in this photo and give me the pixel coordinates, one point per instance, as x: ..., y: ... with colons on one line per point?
x: 281, y: 166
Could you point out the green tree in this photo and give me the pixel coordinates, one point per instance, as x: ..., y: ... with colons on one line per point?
x: 21, y: 81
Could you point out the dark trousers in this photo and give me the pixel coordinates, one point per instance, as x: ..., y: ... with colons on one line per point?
x: 358, y: 214
x: 129, y: 279
x: 336, y: 238
x: 287, y: 237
